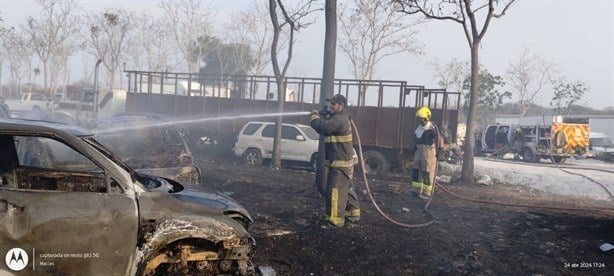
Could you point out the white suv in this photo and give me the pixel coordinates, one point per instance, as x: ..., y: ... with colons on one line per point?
x: 255, y: 142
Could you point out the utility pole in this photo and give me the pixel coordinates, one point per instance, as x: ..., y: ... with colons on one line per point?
x: 96, y: 91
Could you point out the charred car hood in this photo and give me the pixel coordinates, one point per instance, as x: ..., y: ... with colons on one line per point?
x: 186, y: 174
x: 172, y: 199
x: 204, y: 196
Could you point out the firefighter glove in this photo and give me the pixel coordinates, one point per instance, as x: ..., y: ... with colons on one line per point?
x: 315, y: 114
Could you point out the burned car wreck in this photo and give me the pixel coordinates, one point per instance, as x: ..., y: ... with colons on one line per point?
x: 149, y: 144
x: 80, y: 210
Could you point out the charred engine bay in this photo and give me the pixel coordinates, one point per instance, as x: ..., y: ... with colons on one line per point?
x: 467, y: 238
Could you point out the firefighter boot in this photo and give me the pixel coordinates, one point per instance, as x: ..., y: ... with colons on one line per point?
x: 416, y: 184
x: 353, y: 215
x: 417, y: 188
x: 427, y: 192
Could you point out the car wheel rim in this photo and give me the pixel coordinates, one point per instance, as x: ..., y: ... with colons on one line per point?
x: 252, y: 158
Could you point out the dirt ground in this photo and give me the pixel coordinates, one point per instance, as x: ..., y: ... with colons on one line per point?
x: 467, y: 238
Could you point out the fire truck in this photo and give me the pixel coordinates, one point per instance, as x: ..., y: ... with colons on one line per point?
x: 537, y: 137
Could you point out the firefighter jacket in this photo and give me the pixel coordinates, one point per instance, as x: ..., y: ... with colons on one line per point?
x: 426, y: 135
x: 426, y: 139
x: 337, y: 130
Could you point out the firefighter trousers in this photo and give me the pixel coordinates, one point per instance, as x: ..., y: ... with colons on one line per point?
x: 423, y: 171
x: 341, y: 197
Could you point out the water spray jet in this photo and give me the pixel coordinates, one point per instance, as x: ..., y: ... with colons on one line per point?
x: 192, y: 121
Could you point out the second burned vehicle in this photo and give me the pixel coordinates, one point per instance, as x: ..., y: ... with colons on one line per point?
x: 533, y: 138
x: 150, y: 145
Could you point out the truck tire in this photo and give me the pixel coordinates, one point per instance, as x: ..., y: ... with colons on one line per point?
x: 375, y: 162
x: 252, y: 157
x: 528, y: 155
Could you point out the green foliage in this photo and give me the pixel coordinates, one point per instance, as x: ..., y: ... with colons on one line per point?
x: 224, y: 62
x: 566, y: 94
x: 222, y: 59
x: 489, y: 96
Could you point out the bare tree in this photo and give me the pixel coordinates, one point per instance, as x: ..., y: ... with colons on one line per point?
x: 371, y: 30
x: 452, y: 75
x: 154, y: 45
x: 108, y: 38
x: 289, y: 21
x: 58, y: 65
x: 188, y: 22
x: 87, y: 70
x: 51, y: 34
x: 528, y: 75
x: 252, y: 27
x: 566, y: 94
x: 3, y: 32
x: 466, y: 13
x: 19, y: 56
x: 224, y: 59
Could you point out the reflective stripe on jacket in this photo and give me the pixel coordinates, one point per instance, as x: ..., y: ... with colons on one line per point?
x: 337, y: 130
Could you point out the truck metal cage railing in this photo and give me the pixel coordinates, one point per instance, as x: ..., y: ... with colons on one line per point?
x: 383, y: 109
x: 377, y: 93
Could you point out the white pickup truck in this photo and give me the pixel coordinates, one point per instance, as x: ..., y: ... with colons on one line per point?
x: 27, y: 102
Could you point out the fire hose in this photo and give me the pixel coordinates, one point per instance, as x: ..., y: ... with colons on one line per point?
x: 428, y: 203
x: 379, y: 210
x: 426, y: 207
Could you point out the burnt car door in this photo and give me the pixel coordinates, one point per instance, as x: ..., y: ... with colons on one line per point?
x: 63, y: 210
x: 488, y: 143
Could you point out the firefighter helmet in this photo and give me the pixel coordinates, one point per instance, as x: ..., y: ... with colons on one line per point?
x: 424, y: 113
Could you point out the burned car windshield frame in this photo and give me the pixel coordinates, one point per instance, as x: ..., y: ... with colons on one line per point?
x: 106, y: 152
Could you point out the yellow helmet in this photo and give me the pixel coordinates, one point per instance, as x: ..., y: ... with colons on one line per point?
x: 424, y: 113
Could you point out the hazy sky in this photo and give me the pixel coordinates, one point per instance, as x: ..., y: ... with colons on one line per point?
x: 576, y: 35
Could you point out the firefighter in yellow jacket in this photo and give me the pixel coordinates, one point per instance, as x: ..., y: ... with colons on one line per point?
x: 341, y: 198
x: 425, y: 154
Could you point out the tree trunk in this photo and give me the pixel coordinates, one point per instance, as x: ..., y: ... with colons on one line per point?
x: 468, y: 166
x: 279, y: 77
x: 328, y: 79
x: 45, y: 77
x: 281, y: 98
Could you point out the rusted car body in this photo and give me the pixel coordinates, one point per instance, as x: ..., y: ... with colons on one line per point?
x: 149, y: 144
x: 76, y: 209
